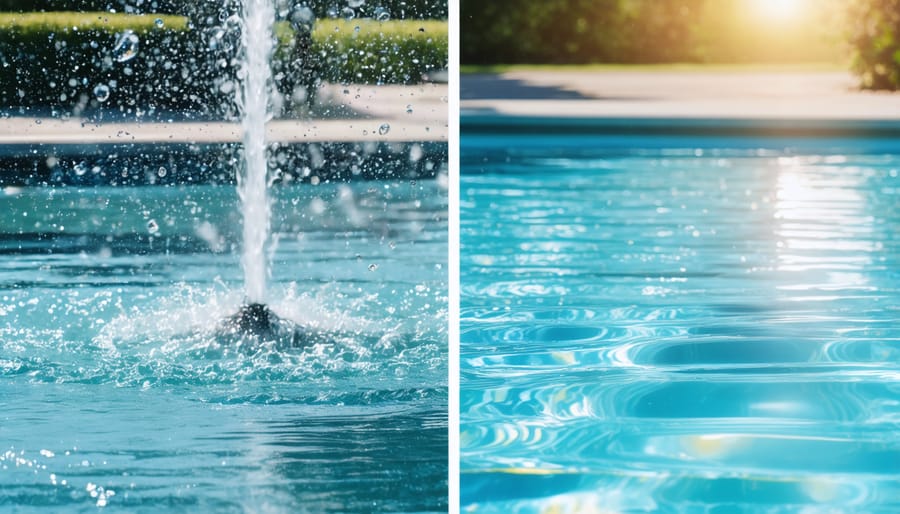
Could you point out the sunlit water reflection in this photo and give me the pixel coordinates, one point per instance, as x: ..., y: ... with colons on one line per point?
x: 115, y: 392
x: 683, y: 331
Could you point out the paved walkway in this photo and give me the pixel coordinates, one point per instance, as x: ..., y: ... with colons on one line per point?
x: 795, y: 95
x: 344, y: 114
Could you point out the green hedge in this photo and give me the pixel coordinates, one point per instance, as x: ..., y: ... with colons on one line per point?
x: 395, y: 9
x: 58, y: 60
x: 367, y: 51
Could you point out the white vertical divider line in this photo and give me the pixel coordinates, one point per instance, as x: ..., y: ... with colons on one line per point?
x: 453, y: 257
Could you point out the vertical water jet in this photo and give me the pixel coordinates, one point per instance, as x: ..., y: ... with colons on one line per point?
x: 253, y: 99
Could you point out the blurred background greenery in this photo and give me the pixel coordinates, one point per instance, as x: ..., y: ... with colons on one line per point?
x: 862, y: 35
x: 69, y: 57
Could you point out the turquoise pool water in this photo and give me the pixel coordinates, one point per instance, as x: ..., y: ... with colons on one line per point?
x: 679, y: 325
x: 115, y: 394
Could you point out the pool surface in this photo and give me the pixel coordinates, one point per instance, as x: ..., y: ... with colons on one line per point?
x: 679, y: 325
x: 116, y: 395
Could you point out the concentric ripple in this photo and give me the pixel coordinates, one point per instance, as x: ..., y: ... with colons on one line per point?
x: 679, y: 330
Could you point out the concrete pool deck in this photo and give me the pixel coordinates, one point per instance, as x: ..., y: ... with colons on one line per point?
x: 352, y: 113
x: 804, y: 96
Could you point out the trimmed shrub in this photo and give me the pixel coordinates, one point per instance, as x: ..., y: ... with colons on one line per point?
x: 368, y: 51
x: 875, y: 39
x: 78, y: 62
x: 75, y: 61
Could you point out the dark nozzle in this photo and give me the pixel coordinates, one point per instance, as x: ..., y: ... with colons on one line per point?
x: 258, y: 321
x: 253, y: 318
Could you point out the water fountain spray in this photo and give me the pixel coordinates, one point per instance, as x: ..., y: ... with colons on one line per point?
x: 253, y: 98
x: 254, y: 317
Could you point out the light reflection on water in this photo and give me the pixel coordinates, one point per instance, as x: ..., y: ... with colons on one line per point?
x: 665, y: 331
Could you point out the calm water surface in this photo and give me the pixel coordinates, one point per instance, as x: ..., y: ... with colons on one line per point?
x: 115, y: 395
x: 690, y: 328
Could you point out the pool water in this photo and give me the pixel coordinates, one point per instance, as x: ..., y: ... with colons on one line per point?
x: 116, y: 394
x: 704, y: 325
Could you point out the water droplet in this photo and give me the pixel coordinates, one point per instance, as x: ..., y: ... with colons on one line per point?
x: 382, y: 14
x: 126, y: 46
x: 159, y: 23
x: 348, y: 13
x: 384, y: 128
x: 234, y: 23
x: 152, y: 227
x: 81, y: 168
x: 356, y: 3
x: 302, y: 17
x: 409, y: 109
x: 373, y: 267
x: 162, y: 171
x: 101, y: 92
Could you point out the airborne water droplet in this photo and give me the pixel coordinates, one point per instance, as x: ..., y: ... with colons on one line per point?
x: 159, y: 23
x: 382, y: 14
x: 152, y: 227
x: 101, y: 92
x: 373, y: 267
x: 80, y: 168
x: 126, y: 46
x: 348, y: 13
x: 384, y: 128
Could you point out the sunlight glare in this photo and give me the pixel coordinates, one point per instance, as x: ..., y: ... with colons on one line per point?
x: 777, y: 10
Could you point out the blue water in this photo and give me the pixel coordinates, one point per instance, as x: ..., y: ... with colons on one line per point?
x: 116, y: 395
x: 680, y: 326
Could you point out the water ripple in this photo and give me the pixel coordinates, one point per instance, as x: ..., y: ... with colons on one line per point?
x: 680, y: 332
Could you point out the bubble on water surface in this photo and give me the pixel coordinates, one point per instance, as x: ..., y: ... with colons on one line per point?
x: 101, y: 92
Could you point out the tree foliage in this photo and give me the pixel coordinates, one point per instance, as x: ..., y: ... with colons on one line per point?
x: 642, y: 31
x: 875, y: 38
x: 577, y: 31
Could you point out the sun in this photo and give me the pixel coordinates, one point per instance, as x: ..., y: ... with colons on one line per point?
x: 777, y: 10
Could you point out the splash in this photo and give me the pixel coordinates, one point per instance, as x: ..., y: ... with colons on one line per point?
x: 256, y: 36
